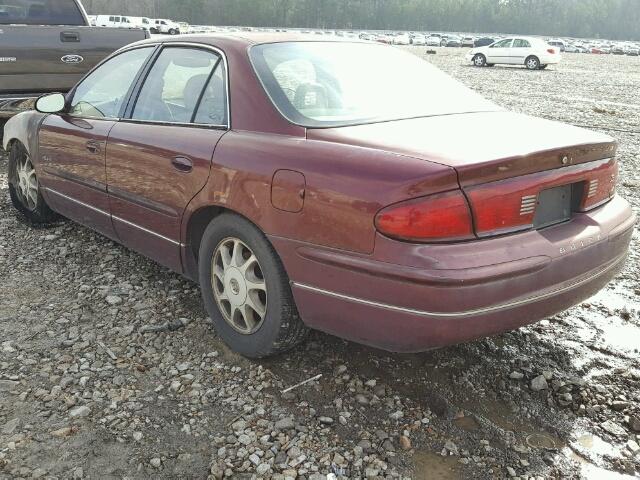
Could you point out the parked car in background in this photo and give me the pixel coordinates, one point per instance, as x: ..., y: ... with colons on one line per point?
x: 162, y: 25
x: 560, y: 44
x: 401, y: 39
x: 468, y: 42
x: 433, y: 41
x: 453, y: 41
x: 632, y: 51
x: 115, y: 21
x: 618, y: 50
x: 570, y: 48
x: 383, y: 235
x: 533, y: 53
x: 418, y: 40
x: 142, y: 22
x: 48, y: 47
x: 483, y: 42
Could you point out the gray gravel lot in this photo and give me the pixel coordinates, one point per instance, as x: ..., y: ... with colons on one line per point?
x: 87, y: 391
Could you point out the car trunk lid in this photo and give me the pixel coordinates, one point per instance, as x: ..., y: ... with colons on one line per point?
x: 482, y: 147
x: 517, y: 172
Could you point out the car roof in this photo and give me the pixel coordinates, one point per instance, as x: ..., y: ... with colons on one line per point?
x: 248, y: 38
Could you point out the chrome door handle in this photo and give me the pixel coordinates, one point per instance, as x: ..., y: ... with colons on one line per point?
x: 182, y: 164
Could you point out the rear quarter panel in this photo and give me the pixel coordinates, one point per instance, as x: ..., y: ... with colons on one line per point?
x: 345, y: 186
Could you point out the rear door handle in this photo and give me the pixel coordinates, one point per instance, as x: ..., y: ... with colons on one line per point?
x: 182, y: 164
x: 93, y: 146
x: 69, y: 36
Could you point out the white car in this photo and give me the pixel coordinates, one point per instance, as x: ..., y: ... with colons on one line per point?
x: 433, y: 41
x: 141, y: 22
x: 113, y: 21
x: 533, y: 53
x: 402, y: 39
x: 418, y: 40
x: 162, y: 25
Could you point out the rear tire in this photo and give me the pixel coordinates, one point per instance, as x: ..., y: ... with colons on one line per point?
x: 479, y: 60
x: 532, y: 63
x: 173, y: 31
x: 24, y: 188
x: 246, y: 290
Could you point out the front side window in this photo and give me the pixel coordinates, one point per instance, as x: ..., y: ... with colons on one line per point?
x: 174, y: 85
x: 102, y: 93
x: 40, y: 12
x: 502, y: 44
x: 325, y: 84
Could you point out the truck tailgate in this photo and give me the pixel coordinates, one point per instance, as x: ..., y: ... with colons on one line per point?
x: 53, y: 58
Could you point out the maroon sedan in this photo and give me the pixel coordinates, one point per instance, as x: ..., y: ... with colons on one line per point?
x: 344, y: 186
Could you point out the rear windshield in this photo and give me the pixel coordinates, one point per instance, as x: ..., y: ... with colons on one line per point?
x: 330, y: 84
x: 40, y: 12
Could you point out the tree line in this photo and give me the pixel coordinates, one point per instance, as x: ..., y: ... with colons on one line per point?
x: 610, y: 19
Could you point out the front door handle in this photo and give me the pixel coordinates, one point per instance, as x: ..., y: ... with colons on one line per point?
x: 93, y: 146
x: 182, y: 164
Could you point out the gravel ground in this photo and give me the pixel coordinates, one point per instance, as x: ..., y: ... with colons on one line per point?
x: 109, y: 367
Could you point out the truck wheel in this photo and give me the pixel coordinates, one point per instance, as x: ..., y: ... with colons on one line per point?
x: 172, y: 31
x: 246, y: 290
x: 153, y: 30
x: 24, y: 188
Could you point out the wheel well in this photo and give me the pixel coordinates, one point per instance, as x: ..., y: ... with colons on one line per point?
x: 198, y: 223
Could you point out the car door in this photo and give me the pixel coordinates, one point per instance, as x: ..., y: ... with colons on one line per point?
x: 159, y: 157
x: 500, y: 51
x: 520, y: 50
x: 72, y: 144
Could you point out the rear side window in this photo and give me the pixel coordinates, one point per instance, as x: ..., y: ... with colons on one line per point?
x: 173, y: 88
x: 40, y: 12
x: 213, y: 106
x: 103, y: 92
x: 519, y: 43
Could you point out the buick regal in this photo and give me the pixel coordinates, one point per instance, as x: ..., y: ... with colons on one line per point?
x: 336, y: 185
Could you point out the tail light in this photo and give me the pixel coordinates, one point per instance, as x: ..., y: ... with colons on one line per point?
x: 551, y: 51
x: 437, y: 218
x: 599, y: 187
x: 510, y: 205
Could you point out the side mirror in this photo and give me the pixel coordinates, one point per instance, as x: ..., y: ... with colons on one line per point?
x: 51, y: 103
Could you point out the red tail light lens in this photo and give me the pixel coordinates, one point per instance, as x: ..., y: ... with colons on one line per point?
x: 551, y: 51
x: 599, y: 187
x: 437, y: 218
x: 510, y: 205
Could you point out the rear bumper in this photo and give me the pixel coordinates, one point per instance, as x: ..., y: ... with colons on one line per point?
x: 408, y: 297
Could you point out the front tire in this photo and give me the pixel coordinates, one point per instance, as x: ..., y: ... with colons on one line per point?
x: 479, y: 60
x: 24, y: 188
x: 532, y: 63
x: 246, y: 290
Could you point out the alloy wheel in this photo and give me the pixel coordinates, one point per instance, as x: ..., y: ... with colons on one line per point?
x: 239, y: 286
x: 27, y: 183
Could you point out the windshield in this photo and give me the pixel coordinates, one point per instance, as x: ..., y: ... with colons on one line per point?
x: 40, y: 12
x: 329, y: 84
